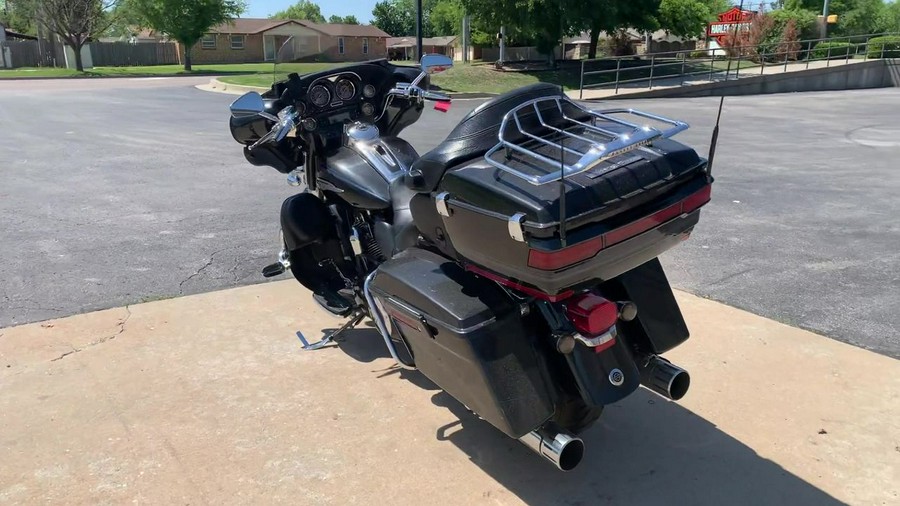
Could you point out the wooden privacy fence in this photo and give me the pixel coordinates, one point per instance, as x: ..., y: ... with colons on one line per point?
x: 124, y: 54
x: 516, y: 54
x: 30, y: 53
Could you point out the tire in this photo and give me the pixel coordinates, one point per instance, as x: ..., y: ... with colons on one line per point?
x: 575, y: 416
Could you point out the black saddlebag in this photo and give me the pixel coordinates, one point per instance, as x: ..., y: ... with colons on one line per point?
x: 467, y: 336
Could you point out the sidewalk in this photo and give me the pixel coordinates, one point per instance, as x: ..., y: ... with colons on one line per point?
x: 209, y: 399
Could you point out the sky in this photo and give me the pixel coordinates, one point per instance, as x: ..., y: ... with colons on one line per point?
x: 362, y: 9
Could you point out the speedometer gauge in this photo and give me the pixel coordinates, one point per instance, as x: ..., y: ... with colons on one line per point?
x: 345, y: 89
x: 319, y: 95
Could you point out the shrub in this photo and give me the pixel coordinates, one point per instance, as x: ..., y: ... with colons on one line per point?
x: 832, y: 50
x: 887, y: 46
x: 700, y: 53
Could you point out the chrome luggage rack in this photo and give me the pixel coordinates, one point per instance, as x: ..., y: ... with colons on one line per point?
x: 571, y: 145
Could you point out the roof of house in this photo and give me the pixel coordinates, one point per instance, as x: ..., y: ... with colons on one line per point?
x: 400, y: 42
x: 345, y: 30
x: 16, y: 35
x: 255, y: 25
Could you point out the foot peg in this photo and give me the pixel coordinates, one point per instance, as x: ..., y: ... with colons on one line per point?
x: 330, y: 337
x: 279, y: 267
x: 272, y: 270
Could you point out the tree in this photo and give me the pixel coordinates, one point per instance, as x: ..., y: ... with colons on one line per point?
x: 186, y: 20
x: 446, y: 18
x: 18, y: 15
x: 684, y: 18
x: 303, y: 9
x: 398, y: 17
x: 393, y: 19
x: 74, y: 21
x: 789, y: 46
x: 347, y: 20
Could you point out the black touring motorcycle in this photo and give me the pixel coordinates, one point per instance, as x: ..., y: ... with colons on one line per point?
x: 514, y: 265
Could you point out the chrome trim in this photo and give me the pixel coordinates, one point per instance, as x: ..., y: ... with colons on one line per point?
x: 563, y: 449
x: 514, y: 225
x: 354, y: 242
x: 375, y: 151
x: 604, y: 143
x: 616, y: 377
x: 440, y: 202
x: 595, y: 341
x: 379, y: 321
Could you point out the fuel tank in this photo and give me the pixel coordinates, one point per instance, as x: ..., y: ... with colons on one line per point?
x: 364, y: 170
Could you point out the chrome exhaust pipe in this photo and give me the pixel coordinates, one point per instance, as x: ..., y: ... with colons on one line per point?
x: 563, y: 449
x: 664, y: 377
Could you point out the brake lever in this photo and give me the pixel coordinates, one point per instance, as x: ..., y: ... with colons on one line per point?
x: 285, y: 122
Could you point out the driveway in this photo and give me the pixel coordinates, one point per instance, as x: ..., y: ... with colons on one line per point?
x: 118, y: 192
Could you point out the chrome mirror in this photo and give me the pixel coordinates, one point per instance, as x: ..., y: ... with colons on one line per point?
x: 434, y: 63
x: 249, y: 104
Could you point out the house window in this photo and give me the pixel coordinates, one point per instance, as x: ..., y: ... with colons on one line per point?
x: 340, y: 45
x: 208, y: 41
x: 365, y: 46
x: 237, y: 42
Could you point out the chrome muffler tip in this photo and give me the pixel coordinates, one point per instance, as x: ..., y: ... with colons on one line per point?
x: 664, y: 377
x: 563, y: 449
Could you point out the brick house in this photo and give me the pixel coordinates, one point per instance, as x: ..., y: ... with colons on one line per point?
x: 248, y: 40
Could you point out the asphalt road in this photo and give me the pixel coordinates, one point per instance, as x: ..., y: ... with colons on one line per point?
x: 119, y: 191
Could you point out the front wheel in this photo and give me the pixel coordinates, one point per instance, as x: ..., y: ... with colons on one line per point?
x: 576, y: 416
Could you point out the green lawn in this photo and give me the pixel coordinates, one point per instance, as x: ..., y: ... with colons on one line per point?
x: 462, y: 78
x: 155, y: 70
x: 482, y: 78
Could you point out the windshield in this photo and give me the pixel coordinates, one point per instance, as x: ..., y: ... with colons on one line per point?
x: 301, y: 54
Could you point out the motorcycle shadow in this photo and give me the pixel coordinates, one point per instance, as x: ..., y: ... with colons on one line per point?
x: 643, y: 450
x: 364, y: 344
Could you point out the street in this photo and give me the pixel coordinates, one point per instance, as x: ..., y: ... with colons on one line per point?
x: 122, y: 190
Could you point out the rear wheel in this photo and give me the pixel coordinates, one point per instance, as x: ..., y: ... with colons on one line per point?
x: 576, y: 416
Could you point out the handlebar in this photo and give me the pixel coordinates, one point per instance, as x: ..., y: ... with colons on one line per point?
x: 288, y: 119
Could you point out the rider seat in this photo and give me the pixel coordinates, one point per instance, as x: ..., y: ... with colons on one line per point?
x: 472, y: 137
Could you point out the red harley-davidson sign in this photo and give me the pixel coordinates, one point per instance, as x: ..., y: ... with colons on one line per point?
x: 730, y: 21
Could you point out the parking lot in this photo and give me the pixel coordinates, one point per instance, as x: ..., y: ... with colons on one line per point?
x: 123, y: 190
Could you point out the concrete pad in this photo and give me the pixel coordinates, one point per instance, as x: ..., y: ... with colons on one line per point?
x: 209, y: 399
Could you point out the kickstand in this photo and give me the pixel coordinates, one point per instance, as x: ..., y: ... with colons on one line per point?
x: 330, y: 337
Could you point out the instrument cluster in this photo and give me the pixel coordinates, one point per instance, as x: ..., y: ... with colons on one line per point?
x: 336, y: 98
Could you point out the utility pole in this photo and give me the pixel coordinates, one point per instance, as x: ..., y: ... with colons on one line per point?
x: 419, y: 29
x: 502, y: 44
x: 824, y: 28
x: 465, y: 38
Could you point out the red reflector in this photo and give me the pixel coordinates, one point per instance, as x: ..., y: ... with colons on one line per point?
x: 553, y: 260
x: 642, y: 225
x: 442, y: 105
x: 698, y: 199
x: 516, y: 286
x: 592, y: 314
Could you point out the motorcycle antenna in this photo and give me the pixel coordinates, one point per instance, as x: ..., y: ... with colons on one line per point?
x: 562, y: 190
x: 714, y: 141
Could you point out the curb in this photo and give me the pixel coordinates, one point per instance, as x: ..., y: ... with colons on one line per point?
x: 123, y: 76
x: 218, y: 86
x: 222, y: 87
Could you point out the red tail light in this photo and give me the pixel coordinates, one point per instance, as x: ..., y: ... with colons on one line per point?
x: 553, y: 260
x: 591, y: 314
x: 557, y: 259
